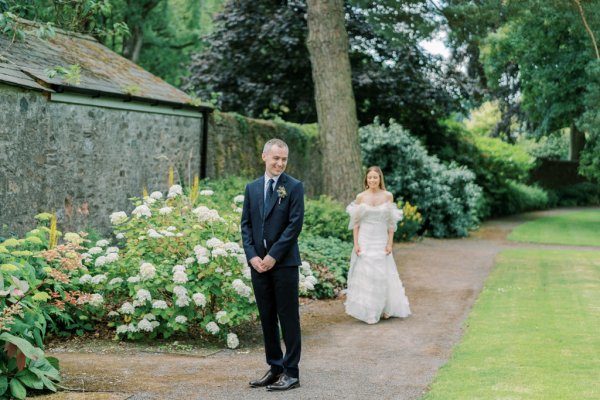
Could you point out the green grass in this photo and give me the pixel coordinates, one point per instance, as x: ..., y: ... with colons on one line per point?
x: 575, y: 228
x: 533, y: 334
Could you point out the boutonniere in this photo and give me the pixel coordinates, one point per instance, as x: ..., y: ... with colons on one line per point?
x: 281, y: 193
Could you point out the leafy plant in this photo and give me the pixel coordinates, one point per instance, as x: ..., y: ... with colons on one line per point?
x: 410, y: 225
x: 326, y: 217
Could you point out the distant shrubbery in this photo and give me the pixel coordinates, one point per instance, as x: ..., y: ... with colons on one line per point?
x: 447, y: 196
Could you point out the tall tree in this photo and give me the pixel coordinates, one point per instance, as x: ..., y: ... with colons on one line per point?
x: 336, y: 109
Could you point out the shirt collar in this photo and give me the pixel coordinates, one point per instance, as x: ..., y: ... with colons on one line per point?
x: 275, y: 179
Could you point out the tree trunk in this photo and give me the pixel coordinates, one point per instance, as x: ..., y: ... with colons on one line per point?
x: 577, y: 143
x: 336, y: 108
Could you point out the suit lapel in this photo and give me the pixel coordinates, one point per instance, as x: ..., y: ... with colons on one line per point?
x: 280, y: 182
x: 261, y: 196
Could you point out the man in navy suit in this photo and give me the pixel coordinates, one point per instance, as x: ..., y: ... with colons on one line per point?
x: 271, y: 223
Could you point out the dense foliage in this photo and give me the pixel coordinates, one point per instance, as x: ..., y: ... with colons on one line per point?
x: 259, y: 65
x: 447, y: 196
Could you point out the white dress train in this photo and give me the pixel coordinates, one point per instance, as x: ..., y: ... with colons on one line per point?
x: 374, y: 286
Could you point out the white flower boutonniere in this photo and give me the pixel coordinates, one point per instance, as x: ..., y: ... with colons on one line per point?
x: 281, y: 193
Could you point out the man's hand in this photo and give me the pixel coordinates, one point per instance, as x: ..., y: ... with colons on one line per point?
x: 257, y: 264
x: 268, y: 262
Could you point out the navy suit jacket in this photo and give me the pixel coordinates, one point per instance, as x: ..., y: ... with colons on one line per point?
x: 280, y: 225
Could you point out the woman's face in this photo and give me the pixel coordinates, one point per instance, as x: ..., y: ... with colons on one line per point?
x: 373, y: 180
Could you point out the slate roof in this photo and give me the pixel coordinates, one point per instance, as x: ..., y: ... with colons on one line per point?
x: 103, y: 72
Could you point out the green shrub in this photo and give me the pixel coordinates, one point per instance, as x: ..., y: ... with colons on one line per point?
x: 330, y: 260
x: 580, y: 194
x: 179, y: 266
x: 326, y: 217
x: 447, y: 196
x: 525, y: 198
x: 494, y: 162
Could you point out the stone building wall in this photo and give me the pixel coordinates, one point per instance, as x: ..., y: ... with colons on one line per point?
x: 86, y: 162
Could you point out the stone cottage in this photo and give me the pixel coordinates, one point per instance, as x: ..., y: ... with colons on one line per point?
x: 83, y: 129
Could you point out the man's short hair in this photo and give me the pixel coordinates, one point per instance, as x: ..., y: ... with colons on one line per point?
x: 274, y: 142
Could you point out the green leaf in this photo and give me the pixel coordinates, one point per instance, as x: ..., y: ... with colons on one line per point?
x: 3, y: 384
x: 26, y: 348
x: 29, y: 379
x: 48, y: 383
x: 17, y: 389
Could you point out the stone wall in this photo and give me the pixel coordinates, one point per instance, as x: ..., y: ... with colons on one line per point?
x: 235, y: 145
x: 83, y: 162
x: 86, y: 162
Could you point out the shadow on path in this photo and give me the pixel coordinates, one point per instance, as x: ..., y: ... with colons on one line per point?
x: 342, y: 358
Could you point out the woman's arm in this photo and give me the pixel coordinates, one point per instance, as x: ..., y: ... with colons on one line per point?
x: 355, y: 235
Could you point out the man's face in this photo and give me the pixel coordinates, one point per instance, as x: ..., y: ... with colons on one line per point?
x: 275, y: 160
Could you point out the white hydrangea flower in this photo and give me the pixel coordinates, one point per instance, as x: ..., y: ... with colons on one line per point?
x: 178, y: 268
x: 142, y: 211
x: 127, y: 308
x: 221, y: 317
x: 145, y: 326
x: 121, y: 329
x: 165, y: 232
x: 242, y: 259
x: 206, y: 192
x: 133, y: 279
x: 238, y: 199
x: 239, y: 210
x: 120, y: 236
x: 153, y: 234
x: 232, y: 341
x: 156, y: 195
x: 174, y: 191
x: 165, y: 210
x: 102, y: 243
x: 87, y: 278
x: 214, y: 242
x: 96, y: 300
x: 112, y: 249
x: 203, y: 260
x: 182, y: 301
x: 98, y: 279
x: 171, y: 228
x: 143, y: 295
x: 137, y: 303
x: 219, y: 270
x: 149, y: 201
x: 180, y: 277
x: 115, y: 281
x: 150, y: 317
x: 181, y: 319
x: 180, y: 291
x: 147, y: 271
x: 100, y: 261
x: 86, y: 256
x: 231, y: 246
x: 155, y: 324
x: 205, y: 214
x: 219, y: 253
x: 111, y: 257
x: 189, y: 260
x: 118, y: 217
x: 312, y: 280
x: 113, y: 314
x: 305, y: 268
x: 132, y: 328
x: 228, y: 273
x: 95, y: 250
x: 241, y: 288
x: 212, y: 328
x: 160, y: 305
x: 201, y: 251
x: 246, y: 272
x: 199, y: 299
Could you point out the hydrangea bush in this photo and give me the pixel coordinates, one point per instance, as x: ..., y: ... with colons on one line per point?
x: 177, y: 266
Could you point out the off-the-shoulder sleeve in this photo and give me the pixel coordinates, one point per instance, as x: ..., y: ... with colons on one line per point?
x: 356, y: 212
x: 394, y: 215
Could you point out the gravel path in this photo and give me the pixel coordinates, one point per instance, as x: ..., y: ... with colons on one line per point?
x: 342, y: 358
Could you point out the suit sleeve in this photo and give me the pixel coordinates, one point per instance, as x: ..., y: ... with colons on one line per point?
x: 246, y: 227
x: 289, y: 237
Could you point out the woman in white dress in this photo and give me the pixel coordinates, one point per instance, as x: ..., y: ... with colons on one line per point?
x: 374, y: 287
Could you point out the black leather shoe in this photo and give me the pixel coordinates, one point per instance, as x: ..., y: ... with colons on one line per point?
x: 284, y: 383
x: 270, y: 377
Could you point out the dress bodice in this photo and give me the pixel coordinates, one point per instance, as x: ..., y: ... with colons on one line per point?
x: 387, y: 215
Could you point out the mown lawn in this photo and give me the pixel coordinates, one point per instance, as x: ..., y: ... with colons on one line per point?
x: 574, y: 228
x: 534, y: 333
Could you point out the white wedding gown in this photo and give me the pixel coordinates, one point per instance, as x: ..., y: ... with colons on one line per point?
x: 374, y: 287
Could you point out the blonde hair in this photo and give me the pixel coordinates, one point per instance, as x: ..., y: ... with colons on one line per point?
x: 274, y: 142
x: 378, y: 170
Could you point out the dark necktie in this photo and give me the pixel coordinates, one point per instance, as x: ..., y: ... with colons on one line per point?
x: 269, y: 194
